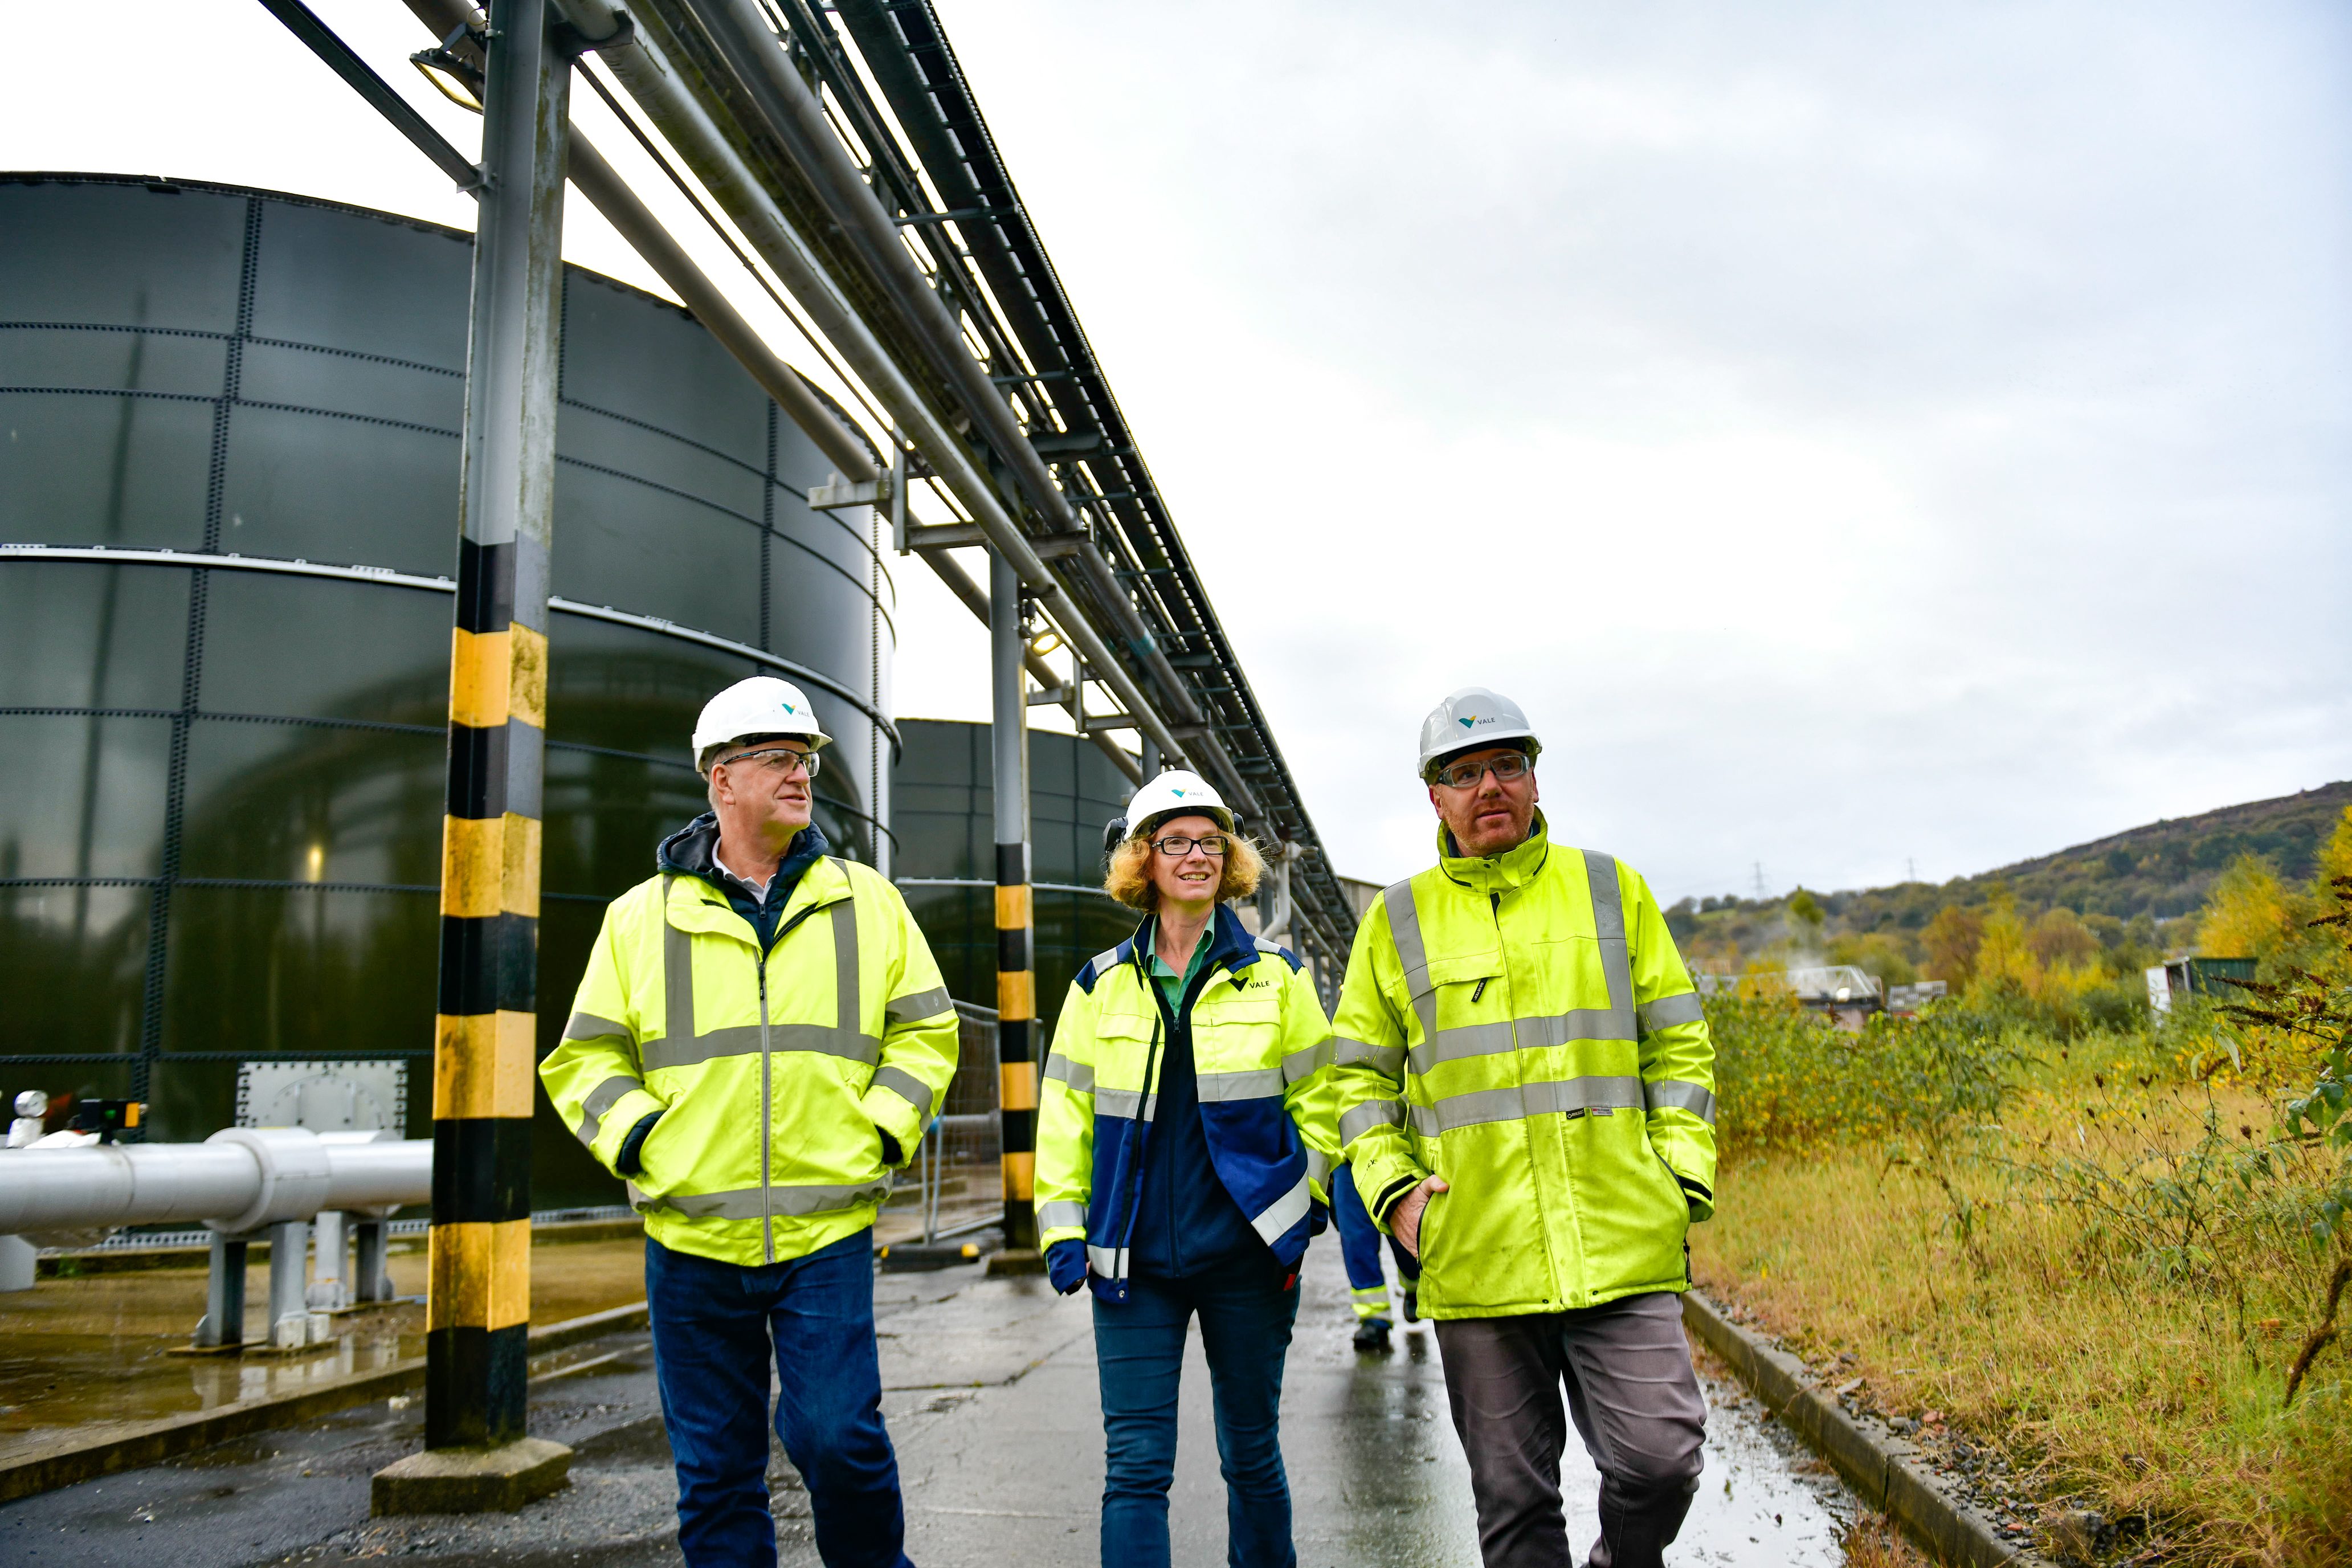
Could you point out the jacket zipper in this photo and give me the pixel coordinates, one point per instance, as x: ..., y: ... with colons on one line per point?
x: 767, y: 1113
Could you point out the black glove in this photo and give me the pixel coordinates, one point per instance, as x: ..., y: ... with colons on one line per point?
x: 628, y: 1160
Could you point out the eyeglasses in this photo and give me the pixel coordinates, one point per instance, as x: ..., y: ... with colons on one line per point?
x: 777, y: 761
x: 1176, y: 845
x: 1466, y: 776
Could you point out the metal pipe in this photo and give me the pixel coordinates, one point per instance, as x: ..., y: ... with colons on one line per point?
x: 242, y: 1175
x: 659, y: 90
x: 797, y: 115
x: 636, y: 222
x: 1016, y: 961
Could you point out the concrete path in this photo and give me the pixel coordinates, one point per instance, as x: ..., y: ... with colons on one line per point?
x: 989, y: 1394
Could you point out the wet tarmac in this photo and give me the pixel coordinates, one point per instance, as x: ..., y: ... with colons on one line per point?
x: 989, y: 1395
x: 80, y: 1355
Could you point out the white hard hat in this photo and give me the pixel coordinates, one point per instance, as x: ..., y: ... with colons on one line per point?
x: 762, y: 705
x: 1174, y: 794
x: 1470, y: 720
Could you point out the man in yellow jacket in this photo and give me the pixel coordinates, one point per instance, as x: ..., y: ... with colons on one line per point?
x: 1526, y: 1086
x: 759, y: 1041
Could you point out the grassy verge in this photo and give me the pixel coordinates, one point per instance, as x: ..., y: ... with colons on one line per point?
x: 2079, y: 1255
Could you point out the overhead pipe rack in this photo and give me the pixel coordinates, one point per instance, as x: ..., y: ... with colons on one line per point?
x: 950, y: 315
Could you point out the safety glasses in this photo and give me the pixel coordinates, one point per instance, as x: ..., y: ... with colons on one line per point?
x: 1176, y: 845
x: 778, y: 762
x: 1466, y: 776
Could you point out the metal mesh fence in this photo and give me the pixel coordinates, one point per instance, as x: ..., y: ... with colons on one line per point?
x: 958, y: 1179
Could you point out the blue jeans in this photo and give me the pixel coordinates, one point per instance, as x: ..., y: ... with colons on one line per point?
x: 1359, y: 1238
x: 712, y: 1325
x: 1245, y: 1317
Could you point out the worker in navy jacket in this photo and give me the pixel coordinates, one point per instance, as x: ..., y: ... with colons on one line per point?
x: 1185, y: 1134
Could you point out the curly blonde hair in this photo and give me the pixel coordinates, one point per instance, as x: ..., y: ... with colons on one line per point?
x: 1129, y: 881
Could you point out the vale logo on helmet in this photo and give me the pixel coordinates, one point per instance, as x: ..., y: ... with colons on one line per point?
x: 1474, y: 720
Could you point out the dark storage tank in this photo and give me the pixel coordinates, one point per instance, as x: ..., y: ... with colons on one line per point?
x: 943, y: 805
x: 221, y: 781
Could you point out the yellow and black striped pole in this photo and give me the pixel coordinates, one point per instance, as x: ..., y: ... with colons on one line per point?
x: 1016, y: 956
x: 479, y: 1310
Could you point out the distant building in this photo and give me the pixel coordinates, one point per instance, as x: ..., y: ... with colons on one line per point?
x: 1904, y: 1000
x: 1848, y: 994
x: 2194, y: 976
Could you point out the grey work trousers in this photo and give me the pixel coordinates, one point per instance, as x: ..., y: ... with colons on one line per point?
x: 1636, y: 1404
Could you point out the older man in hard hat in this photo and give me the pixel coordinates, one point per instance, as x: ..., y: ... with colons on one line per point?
x: 759, y: 1041
x: 1525, y: 1093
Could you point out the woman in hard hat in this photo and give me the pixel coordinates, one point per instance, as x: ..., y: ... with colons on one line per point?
x: 1183, y: 1140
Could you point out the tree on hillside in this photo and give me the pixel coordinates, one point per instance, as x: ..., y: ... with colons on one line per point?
x: 2060, y: 936
x: 2248, y: 914
x: 1951, y: 940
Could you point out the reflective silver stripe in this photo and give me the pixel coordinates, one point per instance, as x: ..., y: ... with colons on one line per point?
x: 907, y: 1087
x: 1404, y: 930
x: 1304, y: 1064
x: 845, y: 967
x: 745, y: 1201
x: 1061, y: 1215
x: 1108, y: 1261
x: 1318, y: 1167
x: 922, y: 1004
x: 1518, y: 1034
x: 1125, y: 1102
x: 588, y: 1027
x: 1665, y: 1012
x: 678, y: 978
x: 1078, y: 1076
x: 743, y: 1039
x: 1517, y: 1102
x: 1258, y: 1083
x: 1283, y: 1212
x: 602, y: 1099
x: 681, y: 1046
x: 1360, y: 1120
x: 1682, y: 1095
x: 1388, y: 1060
x: 1104, y: 962
x: 1609, y: 925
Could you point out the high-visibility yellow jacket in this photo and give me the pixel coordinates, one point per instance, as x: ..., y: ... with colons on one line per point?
x: 1262, y: 1056
x: 1522, y: 1025
x: 776, y: 1074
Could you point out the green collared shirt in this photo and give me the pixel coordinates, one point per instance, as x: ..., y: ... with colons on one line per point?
x: 1173, y: 985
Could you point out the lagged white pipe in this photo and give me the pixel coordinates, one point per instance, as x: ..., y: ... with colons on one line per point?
x: 241, y: 1179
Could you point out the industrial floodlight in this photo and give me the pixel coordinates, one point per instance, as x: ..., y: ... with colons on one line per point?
x: 1044, y: 642
x: 453, y: 75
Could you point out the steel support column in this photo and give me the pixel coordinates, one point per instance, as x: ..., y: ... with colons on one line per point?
x: 479, y: 1305
x: 1017, y: 940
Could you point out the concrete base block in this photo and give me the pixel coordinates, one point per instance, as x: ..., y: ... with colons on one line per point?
x: 1013, y: 1261
x: 472, y: 1480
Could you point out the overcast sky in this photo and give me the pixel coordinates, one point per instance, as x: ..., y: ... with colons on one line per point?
x: 1859, y: 436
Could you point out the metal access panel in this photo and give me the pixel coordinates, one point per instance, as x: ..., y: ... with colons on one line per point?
x: 324, y: 1097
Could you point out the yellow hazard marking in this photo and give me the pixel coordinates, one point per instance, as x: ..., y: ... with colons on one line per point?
x: 519, y: 874
x: 479, y: 669
x: 1014, y: 908
x: 1017, y: 1084
x: 527, y: 698
x: 482, y: 1065
x: 480, y: 1276
x: 490, y: 866
x: 1020, y: 1176
x: 1016, y: 995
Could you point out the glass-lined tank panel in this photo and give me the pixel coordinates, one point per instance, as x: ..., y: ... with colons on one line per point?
x: 297, y: 971
x: 81, y: 795
x: 366, y: 283
x: 76, y: 962
x: 314, y: 803
x: 629, y: 354
x: 121, y: 253
x: 89, y: 470
x: 91, y: 636
x: 319, y: 647
x: 298, y: 486
x: 637, y: 548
